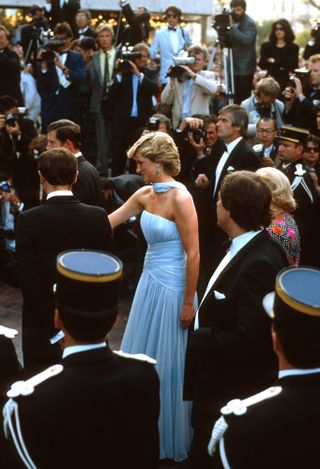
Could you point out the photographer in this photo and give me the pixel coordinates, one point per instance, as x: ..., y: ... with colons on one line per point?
x: 16, y: 133
x: 298, y: 110
x: 313, y: 45
x: 9, y: 68
x: 264, y: 103
x: 132, y: 90
x: 138, y: 27
x: 190, y: 86
x: 31, y: 33
x: 169, y: 41
x: 61, y: 71
x: 243, y: 33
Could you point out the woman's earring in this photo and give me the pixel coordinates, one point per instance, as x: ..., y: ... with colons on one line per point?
x: 158, y: 169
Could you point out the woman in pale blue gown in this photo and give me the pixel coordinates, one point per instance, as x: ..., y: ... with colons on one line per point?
x: 164, y: 302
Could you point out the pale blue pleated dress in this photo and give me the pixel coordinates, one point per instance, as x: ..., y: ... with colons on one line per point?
x: 154, y: 326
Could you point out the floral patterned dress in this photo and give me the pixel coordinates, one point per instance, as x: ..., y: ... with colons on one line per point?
x: 284, y: 229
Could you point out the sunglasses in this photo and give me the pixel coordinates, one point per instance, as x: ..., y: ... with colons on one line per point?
x: 171, y: 15
x: 312, y: 149
x: 278, y: 29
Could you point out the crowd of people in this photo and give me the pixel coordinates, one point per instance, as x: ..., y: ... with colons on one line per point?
x: 112, y: 142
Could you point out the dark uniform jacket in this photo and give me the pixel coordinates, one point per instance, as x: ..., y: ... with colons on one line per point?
x: 88, y: 188
x: 101, y: 411
x: 279, y: 432
x: 61, y: 223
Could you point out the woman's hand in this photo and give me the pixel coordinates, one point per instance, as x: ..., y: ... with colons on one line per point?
x: 187, y: 315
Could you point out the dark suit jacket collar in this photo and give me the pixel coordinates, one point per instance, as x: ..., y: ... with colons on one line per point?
x: 62, y: 199
x: 89, y: 356
x: 250, y: 245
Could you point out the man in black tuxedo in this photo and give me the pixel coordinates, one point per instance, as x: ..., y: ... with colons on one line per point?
x: 292, y: 141
x: 108, y: 401
x: 66, y: 134
x: 230, y: 352
x: 63, y: 10
x: 262, y: 432
x: 60, y: 74
x: 231, y: 127
x: 83, y: 20
x: 61, y: 223
x: 31, y: 33
x: 138, y: 27
x: 130, y: 96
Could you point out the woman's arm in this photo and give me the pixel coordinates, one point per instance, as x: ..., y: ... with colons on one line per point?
x: 129, y: 209
x: 187, y: 223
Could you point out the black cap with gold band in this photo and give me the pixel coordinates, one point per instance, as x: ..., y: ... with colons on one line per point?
x: 293, y: 134
x: 88, y: 280
x: 295, y: 304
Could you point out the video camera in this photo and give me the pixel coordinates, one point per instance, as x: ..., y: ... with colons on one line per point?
x: 50, y: 45
x: 126, y: 55
x: 222, y: 24
x: 153, y: 124
x: 177, y: 71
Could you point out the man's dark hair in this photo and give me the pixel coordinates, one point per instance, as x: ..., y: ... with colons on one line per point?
x: 7, y: 102
x: 58, y: 166
x: 63, y: 28
x: 35, y: 8
x: 299, y: 337
x: 86, y: 12
x: 239, y: 117
x: 247, y: 198
x: 238, y: 3
x: 175, y: 10
x: 88, y: 43
x: 210, y: 119
x: 87, y: 326
x: 66, y: 130
x: 268, y: 119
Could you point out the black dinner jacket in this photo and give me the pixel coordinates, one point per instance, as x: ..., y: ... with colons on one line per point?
x: 88, y: 188
x: 280, y: 432
x: 100, y: 411
x: 89, y: 32
x: 231, y: 352
x: 59, y: 224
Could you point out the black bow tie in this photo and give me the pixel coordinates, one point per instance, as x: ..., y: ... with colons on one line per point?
x: 171, y: 29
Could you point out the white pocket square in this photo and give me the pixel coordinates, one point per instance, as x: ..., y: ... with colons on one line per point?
x: 219, y: 295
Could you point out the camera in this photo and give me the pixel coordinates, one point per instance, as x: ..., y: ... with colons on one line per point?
x: 51, y: 47
x: 153, y: 124
x: 126, y: 55
x: 5, y: 186
x: 178, y: 72
x: 222, y: 25
x: 197, y: 134
x: 12, y: 119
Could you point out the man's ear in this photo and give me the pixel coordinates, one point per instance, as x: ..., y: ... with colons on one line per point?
x: 75, y: 178
x: 277, y: 346
x: 42, y: 179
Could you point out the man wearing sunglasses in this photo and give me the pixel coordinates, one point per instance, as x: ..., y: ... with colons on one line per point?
x: 169, y: 41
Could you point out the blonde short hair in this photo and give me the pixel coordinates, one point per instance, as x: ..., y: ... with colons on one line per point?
x: 279, y: 185
x: 103, y: 26
x: 158, y: 147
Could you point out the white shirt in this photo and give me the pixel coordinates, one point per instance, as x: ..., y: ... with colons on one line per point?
x: 297, y: 372
x: 222, y: 161
x: 81, y: 348
x: 60, y: 192
x: 236, y: 245
x: 174, y: 40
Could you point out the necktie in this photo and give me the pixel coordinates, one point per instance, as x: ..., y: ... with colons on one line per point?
x: 106, y: 74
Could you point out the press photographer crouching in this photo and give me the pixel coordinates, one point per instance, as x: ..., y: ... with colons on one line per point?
x: 16, y: 133
x: 190, y: 86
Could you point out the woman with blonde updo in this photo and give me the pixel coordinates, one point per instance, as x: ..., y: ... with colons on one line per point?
x: 283, y: 226
x: 164, y: 303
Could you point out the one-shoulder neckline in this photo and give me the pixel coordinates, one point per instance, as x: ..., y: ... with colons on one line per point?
x: 159, y: 216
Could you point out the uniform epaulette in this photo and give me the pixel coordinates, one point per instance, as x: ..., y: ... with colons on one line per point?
x: 25, y: 388
x: 237, y: 407
x: 8, y: 332
x: 136, y: 356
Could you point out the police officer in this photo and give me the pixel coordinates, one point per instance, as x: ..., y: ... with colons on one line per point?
x: 279, y: 427
x: 96, y: 408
